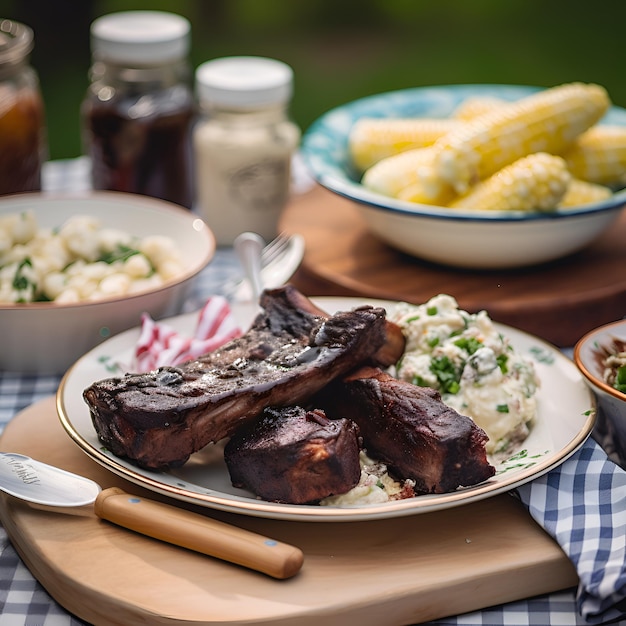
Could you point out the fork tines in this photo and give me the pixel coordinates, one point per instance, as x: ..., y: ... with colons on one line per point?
x: 274, y: 248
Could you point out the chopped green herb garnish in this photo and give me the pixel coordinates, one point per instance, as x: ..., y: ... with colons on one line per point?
x: 469, y: 344
x: 120, y: 253
x: 502, y: 408
x: 448, y: 376
x: 433, y: 341
x: 501, y: 360
x: 432, y: 310
x: 419, y: 381
x: 620, y: 379
x: 21, y: 282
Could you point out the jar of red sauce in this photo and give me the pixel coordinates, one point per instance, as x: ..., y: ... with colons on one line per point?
x: 138, y: 113
x: 23, y: 136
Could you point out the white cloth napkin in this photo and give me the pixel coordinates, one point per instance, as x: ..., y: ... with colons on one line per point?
x: 582, y: 505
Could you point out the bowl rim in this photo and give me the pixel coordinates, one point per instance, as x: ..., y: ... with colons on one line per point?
x: 352, y: 190
x: 156, y: 204
x: 586, y: 339
x: 403, y: 208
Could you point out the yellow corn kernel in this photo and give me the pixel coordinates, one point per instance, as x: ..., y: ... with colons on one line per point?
x: 474, y: 106
x: 546, y: 121
x: 599, y: 156
x: 536, y: 182
x: 422, y: 193
x: 373, y: 139
x: 411, y: 169
x: 580, y: 193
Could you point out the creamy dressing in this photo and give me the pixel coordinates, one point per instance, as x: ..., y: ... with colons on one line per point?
x: 374, y: 486
x: 474, y: 367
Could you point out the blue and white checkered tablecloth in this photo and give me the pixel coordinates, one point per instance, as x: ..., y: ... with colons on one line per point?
x: 23, y: 601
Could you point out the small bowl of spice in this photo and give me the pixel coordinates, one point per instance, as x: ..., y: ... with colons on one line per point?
x: 601, y: 357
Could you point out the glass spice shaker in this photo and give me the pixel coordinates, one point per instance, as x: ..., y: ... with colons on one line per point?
x: 243, y: 145
x: 23, y: 136
x: 138, y: 112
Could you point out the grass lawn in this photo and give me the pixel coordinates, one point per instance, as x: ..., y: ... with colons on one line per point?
x: 342, y: 49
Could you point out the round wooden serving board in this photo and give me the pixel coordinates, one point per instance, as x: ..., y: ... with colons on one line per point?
x: 396, y: 571
x: 558, y: 301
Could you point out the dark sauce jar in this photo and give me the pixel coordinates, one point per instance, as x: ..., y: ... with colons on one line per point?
x: 138, y: 114
x: 23, y: 137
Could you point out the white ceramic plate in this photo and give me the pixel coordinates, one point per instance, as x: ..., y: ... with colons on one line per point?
x: 566, y: 417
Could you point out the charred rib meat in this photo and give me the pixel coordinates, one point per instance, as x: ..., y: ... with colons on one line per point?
x: 294, y: 455
x: 411, y: 430
x: 160, y: 418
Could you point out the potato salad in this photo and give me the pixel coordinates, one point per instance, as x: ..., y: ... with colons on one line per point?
x: 80, y: 261
x: 474, y: 366
x: 375, y: 486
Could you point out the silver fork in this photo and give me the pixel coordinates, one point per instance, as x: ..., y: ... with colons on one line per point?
x: 271, y: 254
x: 275, y: 248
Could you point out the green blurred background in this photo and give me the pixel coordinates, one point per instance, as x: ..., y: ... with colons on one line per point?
x: 345, y: 49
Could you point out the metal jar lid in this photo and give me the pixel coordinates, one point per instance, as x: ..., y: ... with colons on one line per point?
x: 140, y: 37
x: 244, y: 82
x: 16, y: 41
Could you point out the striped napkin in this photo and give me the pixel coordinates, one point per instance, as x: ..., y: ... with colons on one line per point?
x: 159, y: 344
x: 582, y: 505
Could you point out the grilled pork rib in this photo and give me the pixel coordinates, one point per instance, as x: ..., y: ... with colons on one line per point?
x: 411, y: 430
x: 291, y: 351
x: 294, y: 455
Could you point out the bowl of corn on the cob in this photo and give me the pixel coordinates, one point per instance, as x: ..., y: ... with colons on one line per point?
x: 477, y: 176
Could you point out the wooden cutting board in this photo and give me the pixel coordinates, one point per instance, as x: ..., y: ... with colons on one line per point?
x: 384, y: 572
x: 558, y: 301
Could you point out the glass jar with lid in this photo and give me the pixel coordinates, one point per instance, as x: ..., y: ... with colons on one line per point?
x: 138, y: 112
x: 23, y: 137
x: 243, y: 145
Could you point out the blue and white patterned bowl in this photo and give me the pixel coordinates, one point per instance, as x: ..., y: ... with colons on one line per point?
x: 463, y: 238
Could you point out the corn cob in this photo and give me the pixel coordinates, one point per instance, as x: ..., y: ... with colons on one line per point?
x: 599, y: 156
x: 474, y: 106
x: 547, y: 121
x: 373, y: 139
x: 408, y: 170
x: 535, y: 182
x: 424, y: 193
x: 580, y: 193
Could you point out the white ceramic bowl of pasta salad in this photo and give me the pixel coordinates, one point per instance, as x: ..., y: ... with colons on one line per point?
x: 76, y: 269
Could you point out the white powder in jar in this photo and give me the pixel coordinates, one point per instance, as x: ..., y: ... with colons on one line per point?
x: 243, y: 173
x: 243, y: 145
